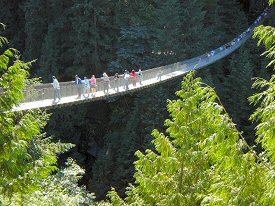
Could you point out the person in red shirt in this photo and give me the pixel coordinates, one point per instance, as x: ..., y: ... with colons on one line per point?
x: 134, y: 77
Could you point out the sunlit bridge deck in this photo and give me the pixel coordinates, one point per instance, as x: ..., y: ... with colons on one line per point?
x: 42, y: 96
x: 100, y: 95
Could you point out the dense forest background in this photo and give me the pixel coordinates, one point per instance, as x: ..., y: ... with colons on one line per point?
x: 69, y: 37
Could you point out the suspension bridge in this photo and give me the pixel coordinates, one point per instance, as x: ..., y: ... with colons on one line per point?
x: 42, y: 96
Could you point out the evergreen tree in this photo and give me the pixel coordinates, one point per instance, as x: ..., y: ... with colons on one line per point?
x: 55, y: 58
x: 221, y: 173
x: 194, y: 41
x: 224, y: 25
x: 234, y: 78
x: 202, y: 160
x: 232, y: 23
x: 114, y: 167
x: 51, y: 54
x: 11, y: 14
x: 237, y: 89
x: 94, y: 33
x: 212, y: 21
x: 132, y: 121
x: 166, y: 45
x: 113, y: 159
x: 35, y: 30
x: 27, y: 157
x: 133, y: 48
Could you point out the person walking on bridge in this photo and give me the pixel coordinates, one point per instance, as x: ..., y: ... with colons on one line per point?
x: 86, y: 91
x: 106, y: 82
x: 93, y: 85
x: 56, y: 89
x: 126, y: 80
x: 116, y: 79
x: 78, y: 83
x: 134, y: 77
x: 159, y: 74
x: 140, y: 76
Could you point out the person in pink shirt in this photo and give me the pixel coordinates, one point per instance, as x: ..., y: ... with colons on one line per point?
x: 93, y: 85
x: 134, y: 77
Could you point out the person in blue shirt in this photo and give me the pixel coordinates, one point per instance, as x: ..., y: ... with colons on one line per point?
x: 86, y: 91
x: 78, y: 83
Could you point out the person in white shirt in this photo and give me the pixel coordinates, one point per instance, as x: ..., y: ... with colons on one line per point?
x: 126, y: 80
x: 56, y: 89
x: 106, y: 82
x: 140, y: 76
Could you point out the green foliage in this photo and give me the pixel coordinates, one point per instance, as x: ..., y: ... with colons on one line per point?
x: 28, y: 158
x: 12, y: 15
x: 236, y: 90
x: 206, y: 16
x: 84, y: 37
x: 133, y: 49
x: 192, y: 39
x: 162, y: 175
x: 265, y: 112
x: 35, y: 27
x: 93, y: 35
x: 202, y: 161
x: 59, y: 189
x: 265, y: 34
x: 166, y: 46
x: 133, y: 119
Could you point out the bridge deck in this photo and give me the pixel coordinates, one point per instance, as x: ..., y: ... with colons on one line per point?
x: 41, y: 97
x: 100, y: 95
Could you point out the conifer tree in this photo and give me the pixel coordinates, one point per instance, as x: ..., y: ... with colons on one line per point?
x: 11, y: 14
x: 237, y: 89
x: 221, y: 174
x: 232, y: 23
x: 55, y: 57
x: 35, y: 29
x: 114, y: 165
x: 94, y: 32
x: 202, y: 161
x: 212, y: 21
x: 224, y: 26
x: 185, y: 167
x: 27, y: 157
x: 132, y: 121
x: 166, y: 44
x: 194, y: 41
x: 133, y: 47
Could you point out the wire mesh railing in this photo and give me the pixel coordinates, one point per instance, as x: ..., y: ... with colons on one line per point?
x: 46, y: 91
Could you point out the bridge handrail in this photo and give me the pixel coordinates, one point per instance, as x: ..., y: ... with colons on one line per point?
x: 45, y: 91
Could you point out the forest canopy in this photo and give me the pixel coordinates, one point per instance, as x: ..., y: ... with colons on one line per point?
x: 200, y: 156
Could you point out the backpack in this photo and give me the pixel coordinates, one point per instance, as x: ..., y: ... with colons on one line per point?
x: 79, y: 81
